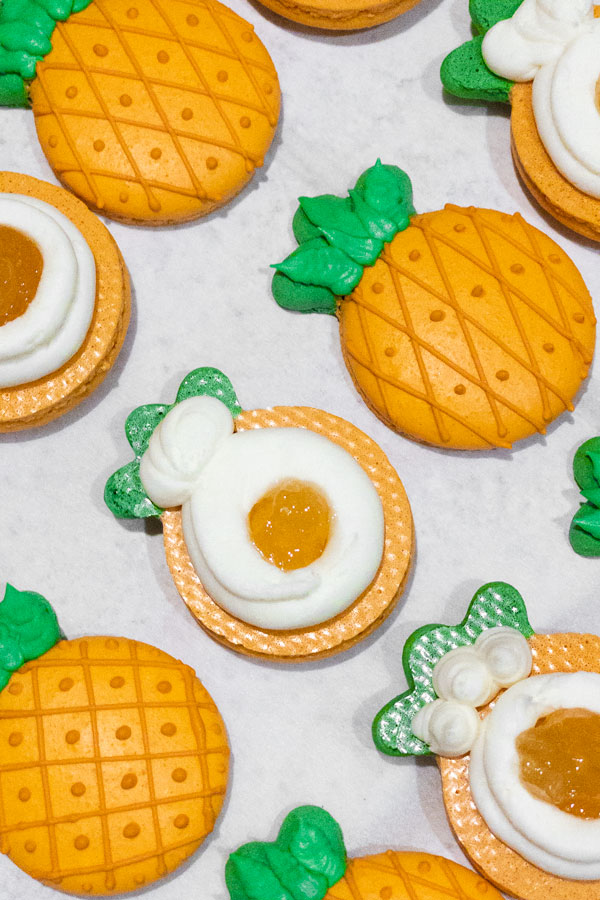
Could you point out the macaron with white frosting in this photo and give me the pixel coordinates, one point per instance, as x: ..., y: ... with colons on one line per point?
x: 64, y: 301
x: 513, y: 718
x: 542, y: 57
x: 287, y: 531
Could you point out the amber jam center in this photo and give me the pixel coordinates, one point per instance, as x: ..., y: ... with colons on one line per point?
x: 21, y: 265
x: 290, y: 525
x: 560, y: 761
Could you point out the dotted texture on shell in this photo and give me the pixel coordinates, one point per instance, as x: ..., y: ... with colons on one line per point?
x: 409, y: 876
x: 501, y: 865
x: 467, y: 332
x: 92, y: 751
x: 368, y: 611
x: 135, y: 114
x: 41, y: 401
x: 551, y: 189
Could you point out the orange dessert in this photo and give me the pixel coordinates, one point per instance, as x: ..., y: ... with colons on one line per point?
x: 114, y: 757
x: 152, y: 112
x: 61, y: 253
x: 287, y: 531
x: 463, y: 328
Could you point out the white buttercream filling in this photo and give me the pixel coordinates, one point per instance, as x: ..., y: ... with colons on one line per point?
x: 551, y: 839
x: 557, y: 45
x: 193, y: 459
x: 55, y: 324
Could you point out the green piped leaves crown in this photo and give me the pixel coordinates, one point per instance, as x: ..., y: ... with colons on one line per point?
x: 494, y: 604
x: 28, y: 629
x: 464, y: 72
x: 307, y: 859
x: 339, y: 236
x: 26, y: 29
x: 584, y: 533
x: 124, y: 493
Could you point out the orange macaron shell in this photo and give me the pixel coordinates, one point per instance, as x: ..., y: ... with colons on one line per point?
x: 366, y: 613
x: 340, y: 15
x: 155, y: 113
x: 472, y: 330
x: 113, y: 768
x: 505, y: 868
x: 41, y: 401
x: 565, y: 202
x: 405, y: 875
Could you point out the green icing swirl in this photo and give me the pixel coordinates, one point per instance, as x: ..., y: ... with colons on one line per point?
x: 303, y: 863
x: 464, y: 72
x: 494, y: 604
x: 339, y: 236
x: 124, y: 493
x: 28, y: 629
x: 584, y: 533
x: 26, y: 29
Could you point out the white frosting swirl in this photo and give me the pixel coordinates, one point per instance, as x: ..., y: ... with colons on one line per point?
x: 534, y: 36
x: 463, y: 676
x: 556, y: 43
x: 180, y: 447
x: 448, y: 727
x: 55, y: 324
x: 469, y: 677
x: 553, y: 840
x: 193, y: 458
x: 506, y: 653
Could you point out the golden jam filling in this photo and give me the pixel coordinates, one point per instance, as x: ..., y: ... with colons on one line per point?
x: 21, y: 265
x: 290, y: 525
x: 560, y: 761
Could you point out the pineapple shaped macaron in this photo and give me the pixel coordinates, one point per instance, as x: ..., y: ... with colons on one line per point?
x: 152, y: 111
x: 464, y: 328
x: 113, y: 759
x: 308, y: 861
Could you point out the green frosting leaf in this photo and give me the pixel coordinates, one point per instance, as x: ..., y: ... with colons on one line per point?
x: 584, y: 533
x: 307, y: 859
x: 28, y: 629
x: 317, y: 262
x: 494, y: 604
x: 124, y: 493
x: 302, y: 297
x: 485, y: 13
x: 26, y: 29
x: 339, y: 236
x: 464, y: 72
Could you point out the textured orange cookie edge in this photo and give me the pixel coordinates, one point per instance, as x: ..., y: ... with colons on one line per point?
x: 570, y: 206
x: 42, y: 401
x: 339, y: 15
x: 366, y: 613
x: 490, y: 856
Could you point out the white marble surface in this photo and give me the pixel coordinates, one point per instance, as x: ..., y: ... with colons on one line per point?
x: 301, y: 734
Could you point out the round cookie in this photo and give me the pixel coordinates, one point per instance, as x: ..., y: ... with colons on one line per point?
x: 114, y: 756
x: 465, y: 74
x: 39, y: 401
x: 340, y: 15
x: 443, y: 665
x: 357, y: 616
x: 308, y: 860
x: 154, y: 112
x: 463, y: 328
